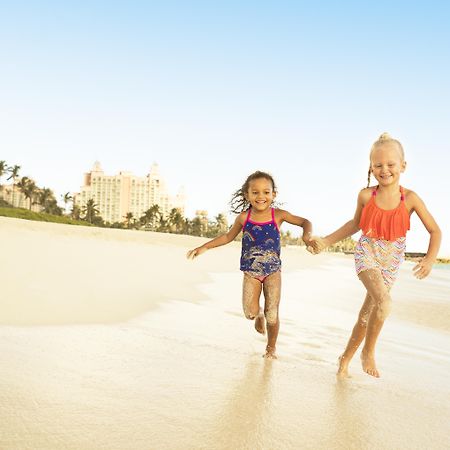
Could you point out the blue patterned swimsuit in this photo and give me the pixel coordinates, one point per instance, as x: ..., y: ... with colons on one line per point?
x: 260, y: 247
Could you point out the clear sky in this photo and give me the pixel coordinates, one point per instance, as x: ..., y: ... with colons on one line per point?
x: 213, y: 91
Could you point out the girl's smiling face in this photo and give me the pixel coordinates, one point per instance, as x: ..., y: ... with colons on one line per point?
x: 387, y: 164
x: 260, y: 194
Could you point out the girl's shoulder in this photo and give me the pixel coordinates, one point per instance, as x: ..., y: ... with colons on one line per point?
x: 411, y: 198
x: 365, y: 194
x: 408, y: 193
x: 242, y: 217
x: 280, y: 213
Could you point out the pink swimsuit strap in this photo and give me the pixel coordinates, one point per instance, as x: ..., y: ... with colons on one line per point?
x: 402, y: 193
x: 247, y: 219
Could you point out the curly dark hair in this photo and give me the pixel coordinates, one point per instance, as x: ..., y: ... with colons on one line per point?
x: 238, y: 202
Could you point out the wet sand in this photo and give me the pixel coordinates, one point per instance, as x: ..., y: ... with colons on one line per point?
x: 111, y: 339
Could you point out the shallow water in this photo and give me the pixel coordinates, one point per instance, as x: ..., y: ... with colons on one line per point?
x: 189, y: 375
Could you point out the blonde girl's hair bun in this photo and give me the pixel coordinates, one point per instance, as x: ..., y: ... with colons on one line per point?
x: 384, y: 137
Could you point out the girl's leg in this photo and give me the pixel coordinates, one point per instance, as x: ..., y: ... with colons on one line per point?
x: 272, y: 290
x: 381, y: 307
x: 251, y: 291
x: 357, y: 336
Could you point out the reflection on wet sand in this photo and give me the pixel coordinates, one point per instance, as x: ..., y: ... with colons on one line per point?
x: 245, y: 418
x: 351, y: 428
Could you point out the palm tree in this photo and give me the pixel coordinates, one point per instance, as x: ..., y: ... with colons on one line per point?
x: 163, y: 226
x: 345, y: 245
x: 175, y: 221
x: 3, y: 171
x: 202, y: 219
x: 76, y: 212
x: 44, y: 197
x: 90, y: 211
x: 151, y: 217
x: 23, y: 182
x: 28, y: 188
x: 197, y: 226
x: 128, y: 218
x: 145, y: 219
x: 222, y: 223
x: 186, y: 227
x: 66, y: 198
x: 217, y: 226
x: 14, y: 173
x: 52, y: 207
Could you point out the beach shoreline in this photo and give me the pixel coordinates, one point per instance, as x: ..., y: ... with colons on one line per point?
x: 113, y: 339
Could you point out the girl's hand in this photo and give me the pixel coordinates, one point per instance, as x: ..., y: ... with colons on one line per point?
x: 191, y: 254
x: 423, y: 268
x: 306, y: 238
x: 316, y: 244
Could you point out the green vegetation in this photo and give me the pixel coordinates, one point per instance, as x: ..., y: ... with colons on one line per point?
x: 288, y: 239
x: 154, y: 220
x: 89, y: 214
x: 347, y: 245
x: 21, y: 213
x: 151, y: 220
x: 28, y: 188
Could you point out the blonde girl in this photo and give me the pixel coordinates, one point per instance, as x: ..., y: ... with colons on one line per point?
x: 383, y: 214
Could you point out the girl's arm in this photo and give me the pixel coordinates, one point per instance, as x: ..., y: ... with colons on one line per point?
x: 220, y: 240
x: 285, y: 216
x: 348, y: 229
x: 423, y: 268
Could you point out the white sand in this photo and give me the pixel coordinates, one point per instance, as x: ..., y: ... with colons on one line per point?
x: 111, y: 339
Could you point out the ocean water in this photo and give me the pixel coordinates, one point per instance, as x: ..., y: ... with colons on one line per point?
x: 441, y: 267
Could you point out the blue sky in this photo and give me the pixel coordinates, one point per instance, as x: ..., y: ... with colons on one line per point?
x: 212, y: 91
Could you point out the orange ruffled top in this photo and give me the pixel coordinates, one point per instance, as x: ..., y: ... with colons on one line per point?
x: 387, y: 224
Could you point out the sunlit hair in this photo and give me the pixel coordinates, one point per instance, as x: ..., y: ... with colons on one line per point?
x: 384, y: 139
x: 238, y: 201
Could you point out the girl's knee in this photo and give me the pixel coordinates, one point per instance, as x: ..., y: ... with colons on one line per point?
x: 271, y: 315
x: 251, y: 313
x: 384, y: 307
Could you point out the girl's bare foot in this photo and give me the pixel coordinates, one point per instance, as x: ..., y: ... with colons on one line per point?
x: 260, y: 324
x: 270, y: 353
x: 368, y: 364
x: 343, y: 367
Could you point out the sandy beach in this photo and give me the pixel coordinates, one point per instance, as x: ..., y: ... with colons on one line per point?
x: 113, y: 340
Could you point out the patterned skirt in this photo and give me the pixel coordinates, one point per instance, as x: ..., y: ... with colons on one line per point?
x: 382, y: 255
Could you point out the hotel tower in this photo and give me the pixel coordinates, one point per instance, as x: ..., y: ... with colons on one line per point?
x: 117, y: 195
